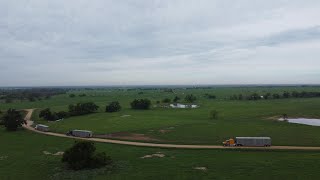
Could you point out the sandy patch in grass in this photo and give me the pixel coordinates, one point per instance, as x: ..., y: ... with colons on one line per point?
x: 126, y: 115
x: 166, y: 130
x: 3, y: 157
x: 157, y: 155
x: 128, y: 136
x: 59, y: 153
x: 201, y: 168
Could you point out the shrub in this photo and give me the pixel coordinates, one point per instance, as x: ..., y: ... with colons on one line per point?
x: 190, y: 98
x: 82, y: 156
x: 166, y: 100
x: 213, y: 114
x: 82, y: 108
x: 72, y: 95
x: 141, y: 104
x: 113, y: 107
x: 176, y: 99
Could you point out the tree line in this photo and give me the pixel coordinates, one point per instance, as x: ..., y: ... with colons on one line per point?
x: 32, y: 94
x: 284, y: 95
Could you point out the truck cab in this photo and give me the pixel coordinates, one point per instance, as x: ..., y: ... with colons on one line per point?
x: 229, y: 142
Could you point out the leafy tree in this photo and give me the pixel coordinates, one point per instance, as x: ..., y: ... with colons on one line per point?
x: 214, y: 114
x: 286, y: 94
x: 210, y: 96
x: 82, y: 108
x: 82, y: 156
x: 176, y: 99
x: 190, y: 98
x: 158, y: 102
x: 276, y: 96
x: 113, y: 107
x: 166, y: 100
x: 267, y: 96
x: 72, y: 95
x: 46, y: 114
x: 240, y: 97
x: 140, y: 104
x: 13, y: 119
x: 62, y: 114
x: 82, y: 95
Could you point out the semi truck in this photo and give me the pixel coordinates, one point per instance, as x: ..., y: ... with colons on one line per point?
x: 80, y: 133
x: 248, y: 141
x: 41, y: 127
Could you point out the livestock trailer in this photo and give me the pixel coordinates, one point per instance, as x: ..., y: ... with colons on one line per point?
x: 80, y: 133
x: 41, y: 127
x: 253, y: 141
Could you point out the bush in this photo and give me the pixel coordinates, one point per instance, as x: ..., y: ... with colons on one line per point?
x: 176, y: 99
x: 166, y: 100
x: 82, y: 156
x: 82, y: 108
x: 141, y: 104
x: 213, y: 114
x: 113, y: 107
x: 72, y: 95
x: 190, y: 98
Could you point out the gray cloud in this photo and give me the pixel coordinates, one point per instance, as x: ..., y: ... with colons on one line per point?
x: 81, y: 42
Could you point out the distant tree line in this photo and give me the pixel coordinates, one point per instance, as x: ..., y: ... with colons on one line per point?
x: 33, y: 94
x: 284, y: 95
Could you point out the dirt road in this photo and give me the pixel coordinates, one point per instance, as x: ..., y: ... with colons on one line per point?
x: 142, y: 144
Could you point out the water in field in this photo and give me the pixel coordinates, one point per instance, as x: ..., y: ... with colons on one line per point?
x: 311, y: 122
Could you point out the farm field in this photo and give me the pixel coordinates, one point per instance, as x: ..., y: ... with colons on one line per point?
x: 190, y: 126
x: 27, y: 160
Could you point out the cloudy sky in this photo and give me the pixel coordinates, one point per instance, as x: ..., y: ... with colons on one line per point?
x: 130, y: 42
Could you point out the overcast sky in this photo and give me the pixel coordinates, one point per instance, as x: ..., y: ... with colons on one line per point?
x: 130, y: 42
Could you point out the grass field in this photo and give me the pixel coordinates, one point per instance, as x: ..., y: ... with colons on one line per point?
x: 22, y: 157
x: 192, y: 126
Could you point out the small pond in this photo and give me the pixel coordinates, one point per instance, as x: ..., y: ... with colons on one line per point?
x: 306, y: 121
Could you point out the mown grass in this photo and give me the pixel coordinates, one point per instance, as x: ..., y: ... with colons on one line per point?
x: 22, y: 157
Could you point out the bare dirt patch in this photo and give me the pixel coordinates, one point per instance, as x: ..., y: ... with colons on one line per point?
x: 201, y: 168
x: 157, y: 155
x: 59, y: 153
x: 128, y: 136
x: 166, y: 130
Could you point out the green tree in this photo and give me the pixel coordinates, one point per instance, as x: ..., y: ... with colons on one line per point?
x: 72, y: 95
x: 13, y: 119
x: 176, y: 99
x: 190, y: 98
x: 140, y: 104
x: 113, y: 107
x: 166, y: 100
x: 213, y: 114
x: 82, y: 156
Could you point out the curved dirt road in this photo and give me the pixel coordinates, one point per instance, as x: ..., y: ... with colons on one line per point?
x: 142, y: 144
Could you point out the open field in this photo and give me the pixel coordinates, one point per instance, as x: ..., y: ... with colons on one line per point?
x: 177, y: 164
x: 192, y: 126
x: 171, y: 126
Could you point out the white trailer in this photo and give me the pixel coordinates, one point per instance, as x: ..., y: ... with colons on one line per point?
x: 80, y: 133
x: 41, y: 127
x: 253, y: 141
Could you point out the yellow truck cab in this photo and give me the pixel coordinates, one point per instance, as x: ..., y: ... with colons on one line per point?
x: 229, y: 142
